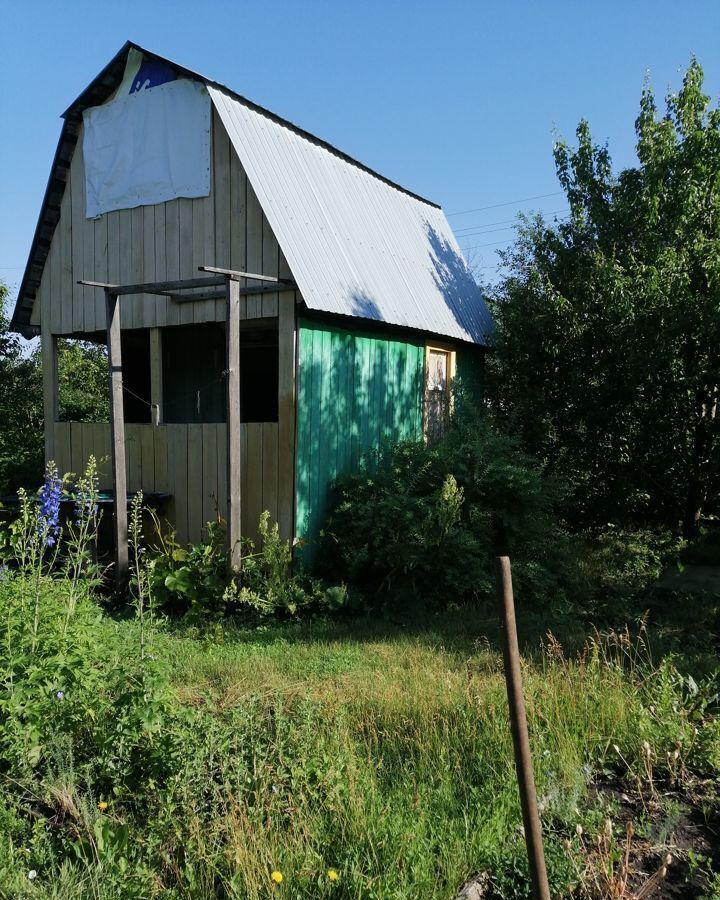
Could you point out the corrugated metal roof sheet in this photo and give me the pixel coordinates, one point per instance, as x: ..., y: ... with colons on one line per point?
x: 356, y: 244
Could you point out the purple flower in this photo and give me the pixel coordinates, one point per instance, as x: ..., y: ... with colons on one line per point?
x: 49, y: 515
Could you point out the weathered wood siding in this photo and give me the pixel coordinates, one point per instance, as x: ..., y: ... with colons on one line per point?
x: 354, y: 391
x: 154, y: 243
x: 187, y: 461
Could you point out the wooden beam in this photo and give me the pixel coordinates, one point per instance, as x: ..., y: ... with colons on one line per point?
x: 156, y: 376
x: 151, y: 287
x: 117, y: 438
x: 50, y: 385
x: 252, y: 276
x: 233, y: 424
x: 286, y: 417
x: 220, y: 295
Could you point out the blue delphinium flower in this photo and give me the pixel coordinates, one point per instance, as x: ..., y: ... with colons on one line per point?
x: 49, y: 515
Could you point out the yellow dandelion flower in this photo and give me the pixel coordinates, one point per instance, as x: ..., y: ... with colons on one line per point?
x: 277, y: 877
x: 332, y: 874
x: 103, y: 804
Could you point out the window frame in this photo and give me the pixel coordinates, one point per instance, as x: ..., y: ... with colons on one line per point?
x: 450, y: 351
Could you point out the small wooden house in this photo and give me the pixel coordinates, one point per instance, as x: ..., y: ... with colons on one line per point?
x: 356, y: 307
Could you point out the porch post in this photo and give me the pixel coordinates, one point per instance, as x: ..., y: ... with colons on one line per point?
x: 117, y: 437
x: 233, y: 423
x: 50, y: 387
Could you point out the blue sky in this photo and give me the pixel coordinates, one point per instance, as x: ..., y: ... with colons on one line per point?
x: 455, y: 100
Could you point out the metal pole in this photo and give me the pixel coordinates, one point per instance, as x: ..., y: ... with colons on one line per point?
x: 518, y: 725
x: 117, y: 438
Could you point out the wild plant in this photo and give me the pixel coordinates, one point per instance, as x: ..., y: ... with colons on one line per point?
x: 81, y: 540
x: 607, y: 865
x: 141, y: 575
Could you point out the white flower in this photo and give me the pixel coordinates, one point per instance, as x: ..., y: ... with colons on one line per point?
x: 32, y: 874
x: 60, y: 695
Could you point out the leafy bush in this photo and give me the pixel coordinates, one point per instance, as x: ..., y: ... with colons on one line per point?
x: 422, y: 519
x: 195, y: 582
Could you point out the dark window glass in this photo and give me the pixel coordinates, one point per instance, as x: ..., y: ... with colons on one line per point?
x: 135, y: 347
x: 194, y: 386
x: 193, y: 381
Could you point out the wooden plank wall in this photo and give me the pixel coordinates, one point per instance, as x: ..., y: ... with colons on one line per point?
x: 355, y: 390
x: 154, y: 243
x: 187, y: 461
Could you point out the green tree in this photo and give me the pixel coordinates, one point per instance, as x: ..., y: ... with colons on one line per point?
x: 608, y: 353
x: 21, y: 409
x: 82, y: 396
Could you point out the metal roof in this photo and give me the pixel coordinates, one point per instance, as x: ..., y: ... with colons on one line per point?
x: 356, y: 244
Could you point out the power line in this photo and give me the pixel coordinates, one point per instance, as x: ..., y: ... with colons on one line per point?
x: 479, y: 234
x: 466, y: 212
x: 468, y: 228
x: 478, y: 246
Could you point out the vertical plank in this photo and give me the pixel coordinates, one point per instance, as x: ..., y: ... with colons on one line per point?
x: 88, y: 237
x: 269, y: 480
x: 185, y: 220
x: 268, y: 303
x: 221, y: 466
x: 117, y: 426
x: 76, y: 448
x: 254, y: 498
x: 137, y: 249
x: 133, y: 457
x: 195, y: 482
x: 234, y: 458
x: 63, y: 308
x: 178, y: 476
x: 52, y: 276
x: 62, y: 447
x: 172, y: 256
x: 73, y: 317
x: 238, y: 187
x: 222, y: 200
x: 147, y: 456
x: 161, y: 303
x: 202, y: 311
x: 254, y: 246
x: 246, y: 527
x: 125, y: 260
x: 50, y: 384
x: 209, y: 472
x: 286, y: 415
x: 101, y: 271
x: 105, y: 456
x: 156, y: 376
x: 113, y: 236
x: 149, y: 314
x: 161, y: 459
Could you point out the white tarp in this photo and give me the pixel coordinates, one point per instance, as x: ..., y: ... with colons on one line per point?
x: 147, y: 147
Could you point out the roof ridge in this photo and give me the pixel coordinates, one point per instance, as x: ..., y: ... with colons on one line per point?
x: 281, y: 120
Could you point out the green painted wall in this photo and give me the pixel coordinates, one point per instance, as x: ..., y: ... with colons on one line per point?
x: 354, y: 390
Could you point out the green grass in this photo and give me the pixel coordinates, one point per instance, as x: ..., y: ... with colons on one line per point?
x: 377, y: 749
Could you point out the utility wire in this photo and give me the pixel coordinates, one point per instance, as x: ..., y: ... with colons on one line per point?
x: 494, y: 244
x: 466, y: 212
x: 469, y: 228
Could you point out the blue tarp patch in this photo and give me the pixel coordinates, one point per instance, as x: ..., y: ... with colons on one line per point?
x: 151, y: 74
